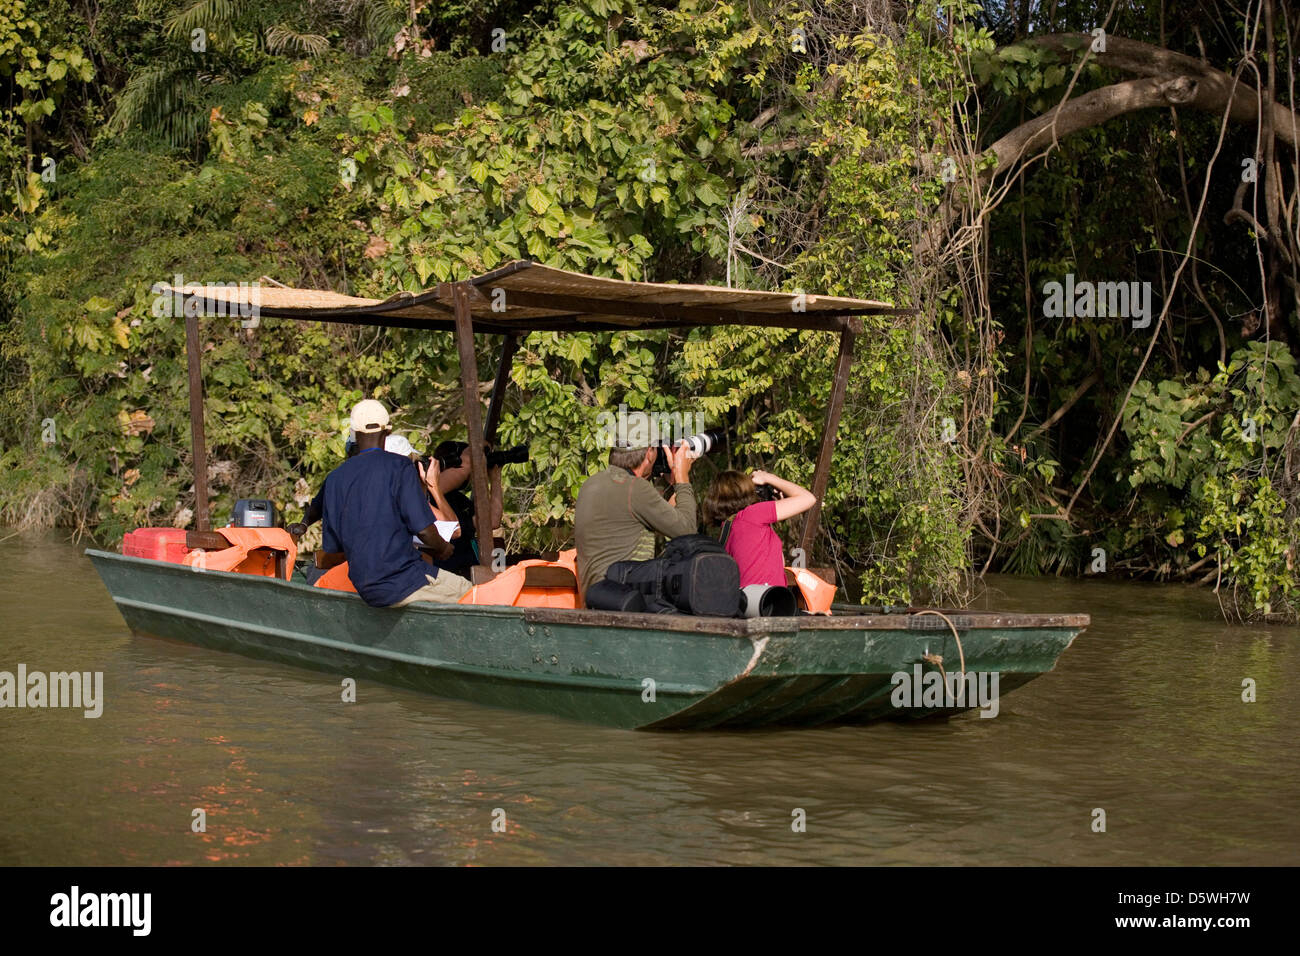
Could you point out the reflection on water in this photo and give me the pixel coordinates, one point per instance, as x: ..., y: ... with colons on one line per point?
x: 1143, y: 718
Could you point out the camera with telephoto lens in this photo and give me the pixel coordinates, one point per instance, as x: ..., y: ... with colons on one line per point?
x: 768, y: 493
x: 508, y: 456
x: 495, y: 459
x: 695, y: 446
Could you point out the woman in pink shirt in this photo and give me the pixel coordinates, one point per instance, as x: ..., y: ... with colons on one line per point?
x: 733, y: 497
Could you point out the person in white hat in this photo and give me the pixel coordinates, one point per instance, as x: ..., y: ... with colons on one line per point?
x: 398, y: 445
x: 373, y: 504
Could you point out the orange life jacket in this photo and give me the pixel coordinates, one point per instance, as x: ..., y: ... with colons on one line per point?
x: 507, y: 588
x: 249, y: 552
x: 817, y: 593
x: 336, y: 579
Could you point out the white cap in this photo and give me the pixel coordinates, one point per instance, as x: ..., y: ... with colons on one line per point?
x: 398, y: 445
x: 368, y: 417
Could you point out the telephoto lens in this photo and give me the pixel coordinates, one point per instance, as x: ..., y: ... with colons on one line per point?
x: 704, y: 442
x: 760, y: 600
x: 509, y: 456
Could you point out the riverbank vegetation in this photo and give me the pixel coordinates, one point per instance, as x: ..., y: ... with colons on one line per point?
x: 955, y: 159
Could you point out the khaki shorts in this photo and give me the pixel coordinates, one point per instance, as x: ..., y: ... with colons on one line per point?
x: 446, y: 588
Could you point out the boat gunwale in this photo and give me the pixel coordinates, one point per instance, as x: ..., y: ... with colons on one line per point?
x: 753, y: 628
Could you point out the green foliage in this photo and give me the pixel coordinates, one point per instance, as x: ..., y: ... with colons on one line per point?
x: 894, y: 506
x: 1208, y: 449
x: 338, y: 145
x: 608, y: 140
x: 37, y: 66
x: 1117, y: 202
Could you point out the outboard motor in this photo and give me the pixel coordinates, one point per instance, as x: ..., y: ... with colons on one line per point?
x: 254, y: 513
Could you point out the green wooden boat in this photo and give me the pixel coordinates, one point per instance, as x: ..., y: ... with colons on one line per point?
x: 642, y: 671
x: 594, y: 666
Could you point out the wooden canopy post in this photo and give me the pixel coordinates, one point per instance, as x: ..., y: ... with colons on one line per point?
x: 460, y: 293
x: 198, y: 439
x: 508, y: 347
x: 822, y: 474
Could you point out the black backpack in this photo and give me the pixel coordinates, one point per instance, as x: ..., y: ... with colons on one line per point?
x: 694, y: 575
x: 687, y: 546
x: 701, y: 578
x: 608, y: 595
x: 644, y: 577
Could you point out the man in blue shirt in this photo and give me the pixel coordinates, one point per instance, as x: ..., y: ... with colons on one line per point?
x: 373, y: 506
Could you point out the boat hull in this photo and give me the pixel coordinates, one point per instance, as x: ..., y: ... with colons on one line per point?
x: 634, y: 671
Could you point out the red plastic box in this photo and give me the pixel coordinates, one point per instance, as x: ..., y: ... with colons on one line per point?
x: 160, y: 544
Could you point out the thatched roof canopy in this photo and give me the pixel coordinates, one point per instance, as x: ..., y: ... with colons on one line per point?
x: 524, y: 296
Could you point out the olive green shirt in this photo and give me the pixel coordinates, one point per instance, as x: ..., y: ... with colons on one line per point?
x: 616, y: 517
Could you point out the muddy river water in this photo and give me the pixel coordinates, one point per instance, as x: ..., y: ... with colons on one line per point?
x: 1142, y: 718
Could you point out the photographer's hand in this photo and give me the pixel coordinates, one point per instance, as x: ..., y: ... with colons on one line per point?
x: 680, y: 464
x: 761, y: 478
x: 796, y: 500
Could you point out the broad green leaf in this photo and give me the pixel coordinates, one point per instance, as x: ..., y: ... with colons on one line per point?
x: 538, y: 200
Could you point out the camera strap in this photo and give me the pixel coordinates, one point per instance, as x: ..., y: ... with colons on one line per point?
x: 726, y: 530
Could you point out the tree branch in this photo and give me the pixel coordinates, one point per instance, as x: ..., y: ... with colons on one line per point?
x: 1214, y: 86
x: 1093, y: 378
